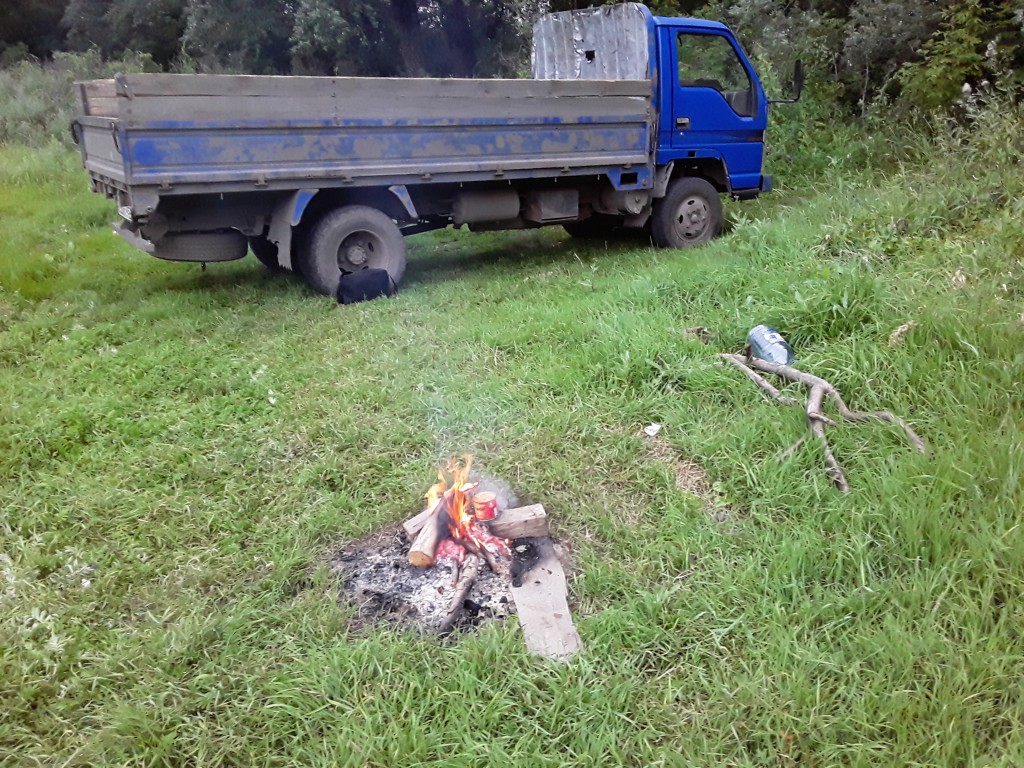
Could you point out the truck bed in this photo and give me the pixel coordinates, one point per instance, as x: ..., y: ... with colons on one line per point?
x: 186, y: 134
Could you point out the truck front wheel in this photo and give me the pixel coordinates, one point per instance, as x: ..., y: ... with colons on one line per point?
x: 690, y: 214
x: 347, y: 240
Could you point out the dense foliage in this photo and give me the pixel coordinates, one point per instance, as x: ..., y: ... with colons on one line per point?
x: 917, y: 54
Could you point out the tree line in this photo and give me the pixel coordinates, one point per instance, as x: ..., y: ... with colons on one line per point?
x: 917, y: 52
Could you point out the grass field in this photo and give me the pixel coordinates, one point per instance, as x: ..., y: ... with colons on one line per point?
x: 179, y: 451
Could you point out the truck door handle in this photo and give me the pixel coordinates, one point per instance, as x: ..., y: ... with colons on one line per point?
x: 682, y: 123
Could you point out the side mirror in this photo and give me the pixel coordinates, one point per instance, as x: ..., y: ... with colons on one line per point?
x: 798, y: 85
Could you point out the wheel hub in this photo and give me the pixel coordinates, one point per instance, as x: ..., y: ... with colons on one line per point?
x: 693, y: 218
x: 357, y: 250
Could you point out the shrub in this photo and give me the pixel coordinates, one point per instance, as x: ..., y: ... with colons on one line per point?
x: 37, y: 99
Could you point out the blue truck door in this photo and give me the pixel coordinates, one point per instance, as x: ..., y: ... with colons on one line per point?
x: 718, y: 106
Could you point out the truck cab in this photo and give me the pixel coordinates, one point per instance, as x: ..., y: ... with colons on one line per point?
x: 711, y: 110
x: 713, y: 107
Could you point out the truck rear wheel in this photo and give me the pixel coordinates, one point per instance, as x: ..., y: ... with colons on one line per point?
x: 265, y: 252
x: 347, y: 240
x: 690, y: 214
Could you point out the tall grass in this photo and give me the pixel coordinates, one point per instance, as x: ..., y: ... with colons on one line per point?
x: 37, y: 99
x: 163, y: 523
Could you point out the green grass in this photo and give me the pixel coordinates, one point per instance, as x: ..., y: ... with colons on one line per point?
x: 140, y: 453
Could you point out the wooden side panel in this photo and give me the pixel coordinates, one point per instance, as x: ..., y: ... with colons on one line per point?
x: 98, y: 98
x: 246, y: 86
x: 181, y: 132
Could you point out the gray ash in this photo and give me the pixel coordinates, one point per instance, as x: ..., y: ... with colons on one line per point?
x: 383, y: 587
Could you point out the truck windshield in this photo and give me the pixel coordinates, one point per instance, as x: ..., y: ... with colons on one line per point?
x: 710, y: 61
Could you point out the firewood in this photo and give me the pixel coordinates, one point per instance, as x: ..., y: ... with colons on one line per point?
x: 424, y: 546
x: 480, y: 550
x: 817, y: 390
x: 469, y: 573
x: 520, y: 522
x: 413, y: 525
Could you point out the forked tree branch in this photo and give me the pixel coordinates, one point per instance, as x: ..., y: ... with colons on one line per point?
x: 817, y: 390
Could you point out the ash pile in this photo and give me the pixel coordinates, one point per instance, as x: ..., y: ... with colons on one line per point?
x: 384, y: 587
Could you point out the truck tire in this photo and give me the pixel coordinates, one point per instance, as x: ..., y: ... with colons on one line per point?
x: 597, y: 226
x: 265, y: 252
x: 349, y: 239
x: 690, y: 214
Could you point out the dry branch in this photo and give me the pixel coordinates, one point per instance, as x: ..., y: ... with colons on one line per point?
x: 817, y: 390
x: 414, y: 524
x: 478, y: 549
x: 469, y: 573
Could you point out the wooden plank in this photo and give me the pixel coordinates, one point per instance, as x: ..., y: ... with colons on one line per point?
x: 269, y: 86
x: 381, y: 110
x: 540, y: 597
x: 520, y: 522
x: 97, y: 106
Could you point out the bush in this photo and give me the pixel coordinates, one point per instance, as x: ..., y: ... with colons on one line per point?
x: 37, y: 99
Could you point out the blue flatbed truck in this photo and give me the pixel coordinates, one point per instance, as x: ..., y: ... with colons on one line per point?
x: 629, y: 120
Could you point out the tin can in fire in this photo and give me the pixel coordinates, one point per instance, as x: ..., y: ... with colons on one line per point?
x: 485, y: 505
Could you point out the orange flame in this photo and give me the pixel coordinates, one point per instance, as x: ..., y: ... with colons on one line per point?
x: 454, y: 489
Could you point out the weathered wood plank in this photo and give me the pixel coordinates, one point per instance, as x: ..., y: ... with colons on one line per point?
x: 520, y: 522
x: 540, y: 597
x: 391, y: 87
x: 378, y: 111
x: 97, y: 106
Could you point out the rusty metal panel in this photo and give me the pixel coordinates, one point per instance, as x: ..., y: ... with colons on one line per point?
x: 607, y: 43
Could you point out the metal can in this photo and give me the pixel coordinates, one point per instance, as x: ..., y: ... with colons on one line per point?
x: 485, y: 505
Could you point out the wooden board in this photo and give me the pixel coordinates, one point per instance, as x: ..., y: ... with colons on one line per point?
x: 543, y: 609
x: 520, y: 522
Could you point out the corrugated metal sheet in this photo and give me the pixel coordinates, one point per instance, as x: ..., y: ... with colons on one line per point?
x: 608, y: 43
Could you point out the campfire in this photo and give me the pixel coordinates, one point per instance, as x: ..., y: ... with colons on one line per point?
x: 454, y: 521
x: 453, y: 527
x: 470, y: 556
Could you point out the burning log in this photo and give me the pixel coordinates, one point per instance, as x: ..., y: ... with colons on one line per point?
x: 413, y: 525
x: 478, y: 549
x: 434, y: 529
x: 466, y: 581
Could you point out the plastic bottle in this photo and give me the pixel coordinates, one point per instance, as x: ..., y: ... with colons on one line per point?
x: 768, y: 344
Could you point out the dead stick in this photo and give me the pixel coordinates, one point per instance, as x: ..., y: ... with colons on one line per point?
x: 814, y: 406
x: 482, y: 551
x: 766, y: 386
x: 818, y: 389
x: 792, y: 449
x: 469, y: 573
x: 850, y: 415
